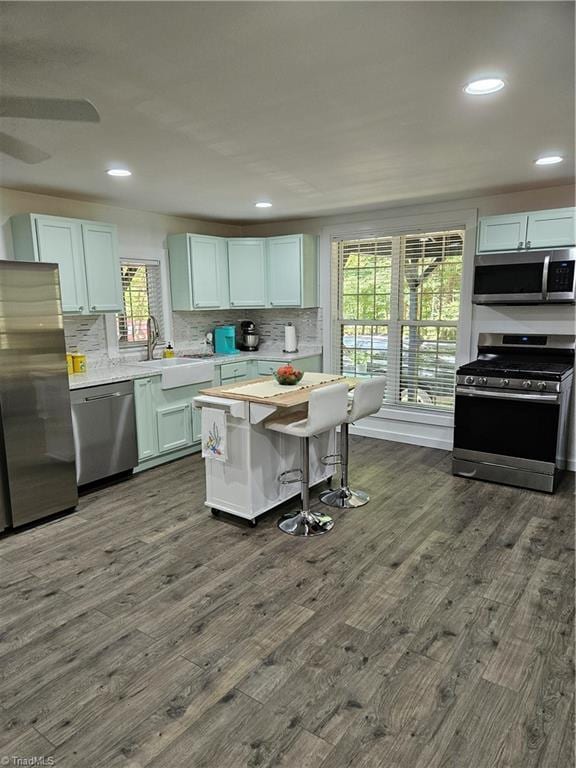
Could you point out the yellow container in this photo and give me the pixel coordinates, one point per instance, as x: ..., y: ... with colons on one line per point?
x: 79, y: 362
x: 70, y: 363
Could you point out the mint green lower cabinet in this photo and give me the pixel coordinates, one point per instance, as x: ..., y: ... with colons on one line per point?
x: 174, y: 427
x: 167, y: 424
x: 228, y: 373
x: 311, y: 364
x: 196, y: 425
x: 145, y: 419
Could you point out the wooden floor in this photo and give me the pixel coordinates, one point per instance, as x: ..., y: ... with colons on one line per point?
x: 431, y: 628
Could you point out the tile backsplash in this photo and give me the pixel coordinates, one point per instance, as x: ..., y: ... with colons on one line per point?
x: 86, y: 334
x: 191, y: 327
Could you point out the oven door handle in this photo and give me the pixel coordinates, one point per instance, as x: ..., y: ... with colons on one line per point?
x: 526, y: 397
x: 545, y: 268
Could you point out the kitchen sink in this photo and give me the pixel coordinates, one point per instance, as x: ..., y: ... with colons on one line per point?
x: 181, y: 371
x: 168, y: 362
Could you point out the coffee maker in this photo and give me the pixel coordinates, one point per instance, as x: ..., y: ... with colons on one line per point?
x: 248, y: 336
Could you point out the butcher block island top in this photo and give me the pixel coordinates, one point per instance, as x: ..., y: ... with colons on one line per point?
x: 266, y: 390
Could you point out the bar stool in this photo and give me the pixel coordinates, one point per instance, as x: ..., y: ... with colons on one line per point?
x: 368, y: 396
x: 327, y: 408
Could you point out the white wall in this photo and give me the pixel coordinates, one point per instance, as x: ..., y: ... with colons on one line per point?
x: 510, y: 202
x: 143, y: 235
x: 437, y: 430
x: 140, y: 233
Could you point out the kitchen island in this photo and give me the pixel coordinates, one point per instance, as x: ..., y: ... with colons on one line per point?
x: 245, y: 482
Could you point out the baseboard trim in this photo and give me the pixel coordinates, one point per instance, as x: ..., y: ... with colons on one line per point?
x: 426, y: 441
x: 165, y: 458
x: 401, y: 437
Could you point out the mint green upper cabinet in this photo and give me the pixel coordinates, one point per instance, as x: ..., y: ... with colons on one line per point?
x: 292, y: 271
x: 102, y: 268
x: 86, y: 253
x: 198, y: 272
x: 502, y: 233
x: 551, y: 229
x: 247, y: 272
x: 285, y: 271
x: 206, y: 279
x: 59, y: 241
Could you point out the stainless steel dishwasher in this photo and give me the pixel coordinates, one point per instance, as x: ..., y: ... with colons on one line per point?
x: 104, y: 425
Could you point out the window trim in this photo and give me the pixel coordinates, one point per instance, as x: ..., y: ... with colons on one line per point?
x: 148, y: 264
x: 390, y: 224
x: 115, y: 351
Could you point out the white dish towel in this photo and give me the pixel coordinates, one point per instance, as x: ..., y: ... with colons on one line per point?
x: 214, y: 434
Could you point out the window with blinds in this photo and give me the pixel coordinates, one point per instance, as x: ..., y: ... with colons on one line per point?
x: 142, y: 294
x: 397, y: 302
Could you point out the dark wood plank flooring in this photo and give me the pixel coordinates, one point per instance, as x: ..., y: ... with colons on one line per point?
x: 431, y: 628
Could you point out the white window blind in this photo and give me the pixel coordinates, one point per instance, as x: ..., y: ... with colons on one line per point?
x: 397, y: 303
x: 141, y: 289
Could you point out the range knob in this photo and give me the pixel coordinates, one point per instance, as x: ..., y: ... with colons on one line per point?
x: 526, y: 383
x: 469, y: 380
x: 504, y: 382
x: 541, y: 386
x: 483, y: 380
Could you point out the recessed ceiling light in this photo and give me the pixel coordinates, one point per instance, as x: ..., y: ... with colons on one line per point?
x: 263, y: 204
x: 548, y: 160
x: 484, y: 86
x: 119, y: 172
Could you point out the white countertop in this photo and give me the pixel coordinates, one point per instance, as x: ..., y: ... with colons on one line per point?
x: 120, y: 371
x: 268, y: 354
x: 107, y: 374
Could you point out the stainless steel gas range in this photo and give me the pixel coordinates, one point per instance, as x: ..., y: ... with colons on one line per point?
x: 512, y: 410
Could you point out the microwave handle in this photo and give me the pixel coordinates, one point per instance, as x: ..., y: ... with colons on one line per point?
x: 545, y: 277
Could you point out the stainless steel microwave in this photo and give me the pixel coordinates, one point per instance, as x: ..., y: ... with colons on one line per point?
x: 529, y: 277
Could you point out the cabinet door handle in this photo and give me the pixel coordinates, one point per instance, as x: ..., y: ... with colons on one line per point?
x: 521, y: 244
x: 92, y: 307
x: 528, y: 244
x: 80, y: 308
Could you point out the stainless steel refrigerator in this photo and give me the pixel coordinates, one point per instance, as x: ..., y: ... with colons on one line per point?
x: 37, y: 469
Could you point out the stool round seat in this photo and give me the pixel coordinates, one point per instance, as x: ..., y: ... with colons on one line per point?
x: 327, y: 409
x: 367, y: 399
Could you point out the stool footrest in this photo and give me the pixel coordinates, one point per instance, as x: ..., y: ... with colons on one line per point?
x: 331, y: 459
x: 290, y: 476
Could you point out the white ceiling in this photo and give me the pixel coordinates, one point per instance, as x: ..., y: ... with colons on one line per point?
x: 320, y: 107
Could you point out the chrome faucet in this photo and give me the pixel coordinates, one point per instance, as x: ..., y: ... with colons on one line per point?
x: 152, y: 336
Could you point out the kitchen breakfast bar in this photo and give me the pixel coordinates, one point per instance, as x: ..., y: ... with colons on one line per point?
x: 251, y: 468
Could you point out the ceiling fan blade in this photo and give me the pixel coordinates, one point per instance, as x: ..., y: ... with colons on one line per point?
x: 79, y: 110
x: 28, y: 153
